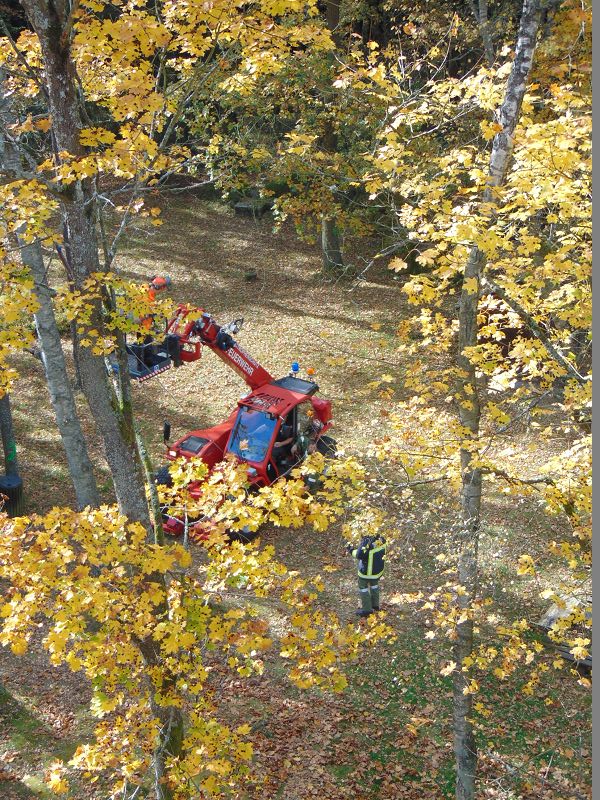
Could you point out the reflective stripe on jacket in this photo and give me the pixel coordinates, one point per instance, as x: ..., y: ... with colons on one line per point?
x: 371, y: 557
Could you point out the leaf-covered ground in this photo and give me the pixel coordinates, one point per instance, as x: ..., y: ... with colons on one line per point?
x: 389, y: 735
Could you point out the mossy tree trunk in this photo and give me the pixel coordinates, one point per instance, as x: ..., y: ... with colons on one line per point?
x: 7, y: 434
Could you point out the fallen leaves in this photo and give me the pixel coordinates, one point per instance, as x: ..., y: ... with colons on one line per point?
x: 448, y: 668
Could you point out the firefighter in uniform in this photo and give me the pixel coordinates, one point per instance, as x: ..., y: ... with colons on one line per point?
x: 306, y: 441
x: 370, y: 558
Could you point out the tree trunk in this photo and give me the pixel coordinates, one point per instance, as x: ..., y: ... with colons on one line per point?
x: 465, y: 750
x: 469, y: 407
x: 332, y: 16
x: 9, y: 445
x: 330, y: 236
x: 61, y: 395
x: 331, y: 246
x: 480, y: 12
x: 114, y: 424
x: 170, y: 738
x: 59, y: 385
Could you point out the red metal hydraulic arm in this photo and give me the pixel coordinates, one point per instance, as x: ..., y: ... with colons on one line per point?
x: 195, y: 328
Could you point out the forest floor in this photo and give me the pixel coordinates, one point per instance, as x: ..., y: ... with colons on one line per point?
x: 389, y: 734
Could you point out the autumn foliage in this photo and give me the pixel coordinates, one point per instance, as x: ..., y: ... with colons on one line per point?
x: 468, y: 178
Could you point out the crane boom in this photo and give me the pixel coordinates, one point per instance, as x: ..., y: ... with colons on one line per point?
x: 195, y: 328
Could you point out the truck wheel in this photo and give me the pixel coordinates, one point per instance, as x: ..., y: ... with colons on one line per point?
x: 327, y: 446
x: 313, y: 483
x: 163, y: 477
x: 244, y: 536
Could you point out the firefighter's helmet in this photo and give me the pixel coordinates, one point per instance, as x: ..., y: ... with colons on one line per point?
x: 160, y: 282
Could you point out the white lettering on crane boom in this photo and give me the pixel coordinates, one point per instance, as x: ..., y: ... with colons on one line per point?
x: 238, y: 358
x: 247, y: 356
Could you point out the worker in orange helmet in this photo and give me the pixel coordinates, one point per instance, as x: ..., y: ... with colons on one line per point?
x: 146, y: 351
x: 158, y: 284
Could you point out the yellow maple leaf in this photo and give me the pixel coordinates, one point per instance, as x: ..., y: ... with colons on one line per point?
x: 397, y: 264
x: 55, y: 780
x: 19, y: 647
x: 427, y: 256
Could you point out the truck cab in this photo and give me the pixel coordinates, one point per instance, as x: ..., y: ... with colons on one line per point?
x: 260, y: 433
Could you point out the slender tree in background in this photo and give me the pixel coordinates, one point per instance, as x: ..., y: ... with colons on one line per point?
x: 479, y: 9
x: 331, y: 244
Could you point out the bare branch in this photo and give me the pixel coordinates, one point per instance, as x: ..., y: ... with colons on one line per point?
x: 536, y: 329
x: 500, y: 473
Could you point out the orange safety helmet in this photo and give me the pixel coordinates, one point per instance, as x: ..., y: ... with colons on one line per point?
x: 159, y: 283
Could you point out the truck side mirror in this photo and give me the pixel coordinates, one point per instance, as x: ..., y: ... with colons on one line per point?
x: 166, y: 431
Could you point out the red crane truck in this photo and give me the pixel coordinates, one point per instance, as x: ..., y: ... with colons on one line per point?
x: 262, y: 430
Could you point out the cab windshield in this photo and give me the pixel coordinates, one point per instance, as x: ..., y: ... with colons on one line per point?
x: 251, y: 435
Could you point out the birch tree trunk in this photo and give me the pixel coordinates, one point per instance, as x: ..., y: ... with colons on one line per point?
x: 57, y: 378
x: 331, y: 245
x: 469, y: 406
x: 49, y: 20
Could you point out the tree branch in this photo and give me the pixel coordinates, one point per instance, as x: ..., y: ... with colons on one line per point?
x: 69, y: 23
x: 536, y: 329
x: 500, y: 473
